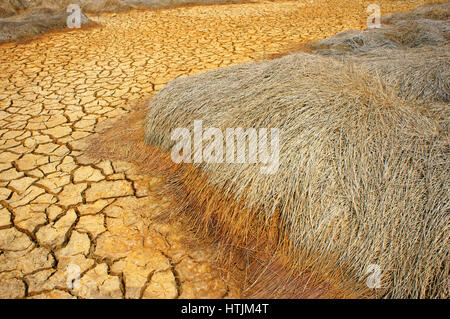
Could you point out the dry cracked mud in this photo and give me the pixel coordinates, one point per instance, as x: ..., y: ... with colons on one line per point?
x: 73, y: 227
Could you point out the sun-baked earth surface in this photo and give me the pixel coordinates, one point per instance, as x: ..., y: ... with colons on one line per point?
x: 71, y: 226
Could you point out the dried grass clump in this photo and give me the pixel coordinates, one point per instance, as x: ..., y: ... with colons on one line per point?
x: 404, y: 35
x: 363, y: 176
x: 431, y: 12
x: 6, y: 10
x: 411, y: 55
x: 249, y: 258
x: 419, y: 73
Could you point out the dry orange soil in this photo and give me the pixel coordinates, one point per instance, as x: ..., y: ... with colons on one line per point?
x: 64, y: 215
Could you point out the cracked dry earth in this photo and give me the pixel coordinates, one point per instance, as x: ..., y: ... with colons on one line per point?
x: 62, y: 213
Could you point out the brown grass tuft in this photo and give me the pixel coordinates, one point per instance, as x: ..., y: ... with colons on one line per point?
x: 252, y: 258
x: 356, y: 163
x: 436, y: 11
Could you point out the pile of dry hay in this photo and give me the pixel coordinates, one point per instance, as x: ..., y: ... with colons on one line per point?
x: 410, y: 54
x: 363, y: 172
x: 419, y: 73
x: 432, y: 12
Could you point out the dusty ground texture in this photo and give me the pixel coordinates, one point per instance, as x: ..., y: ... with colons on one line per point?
x: 63, y: 214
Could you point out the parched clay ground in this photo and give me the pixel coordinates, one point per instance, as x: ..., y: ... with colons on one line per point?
x: 63, y: 214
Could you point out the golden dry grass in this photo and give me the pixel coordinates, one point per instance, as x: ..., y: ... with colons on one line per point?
x: 426, y: 25
x: 434, y: 10
x: 245, y: 247
x: 363, y: 174
x: 421, y: 74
